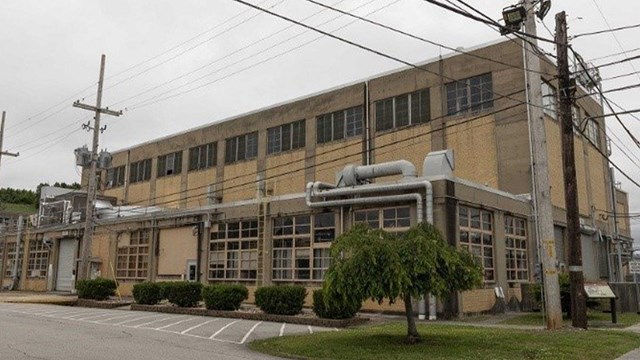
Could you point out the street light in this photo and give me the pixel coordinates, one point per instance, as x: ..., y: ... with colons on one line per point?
x: 513, y: 17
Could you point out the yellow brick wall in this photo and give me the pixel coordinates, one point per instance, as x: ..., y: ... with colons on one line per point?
x: 473, y: 144
x: 478, y: 300
x: 240, y: 181
x: 139, y: 193
x: 197, y: 183
x: 332, y: 157
x: 412, y: 144
x: 176, y: 247
x: 168, y: 191
x: 285, y: 172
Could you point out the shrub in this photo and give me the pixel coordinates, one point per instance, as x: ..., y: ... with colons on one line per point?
x: 96, y: 289
x: 183, y: 293
x: 224, y: 297
x: 332, y: 308
x: 565, y: 294
x: 147, y: 293
x: 281, y: 300
x: 163, y: 288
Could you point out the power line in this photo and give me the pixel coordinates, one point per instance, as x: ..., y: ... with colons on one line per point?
x: 610, y: 30
x: 613, y: 55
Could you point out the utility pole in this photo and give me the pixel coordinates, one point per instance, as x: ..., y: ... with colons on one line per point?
x: 2, y: 152
x: 567, y: 88
x: 83, y: 270
x: 541, y: 186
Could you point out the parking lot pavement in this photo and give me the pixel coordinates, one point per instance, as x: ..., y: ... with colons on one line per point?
x: 234, y: 331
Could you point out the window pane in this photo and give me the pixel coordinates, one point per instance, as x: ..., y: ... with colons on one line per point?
x: 402, y: 110
x: 338, y: 125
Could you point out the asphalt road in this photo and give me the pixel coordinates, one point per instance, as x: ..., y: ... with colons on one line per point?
x: 30, y: 331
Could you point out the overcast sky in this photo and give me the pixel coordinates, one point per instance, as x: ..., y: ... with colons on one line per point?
x: 173, y: 65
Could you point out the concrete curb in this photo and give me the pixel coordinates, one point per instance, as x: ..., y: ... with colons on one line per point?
x: 253, y: 316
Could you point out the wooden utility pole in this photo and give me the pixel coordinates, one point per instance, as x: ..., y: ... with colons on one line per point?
x: 540, y: 176
x: 567, y: 88
x: 2, y: 152
x: 83, y: 270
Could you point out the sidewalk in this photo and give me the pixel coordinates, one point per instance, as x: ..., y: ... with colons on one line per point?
x: 37, y: 297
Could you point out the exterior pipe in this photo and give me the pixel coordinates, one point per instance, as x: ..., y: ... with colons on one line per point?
x: 352, y: 175
x: 372, y: 200
x: 313, y: 190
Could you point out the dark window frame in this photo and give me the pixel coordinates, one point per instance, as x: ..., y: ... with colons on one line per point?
x: 290, y: 136
x: 472, y: 94
x: 339, y: 125
x: 241, y: 147
x: 403, y: 110
x: 140, y: 171
x: 163, y: 161
x: 203, y: 156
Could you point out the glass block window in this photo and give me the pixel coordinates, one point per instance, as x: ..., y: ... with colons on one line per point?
x: 241, y: 148
x: 203, y: 156
x: 233, y: 251
x: 38, y: 259
x: 471, y: 94
x: 476, y: 235
x: 339, y: 125
x: 286, y: 137
x: 403, y: 110
x: 12, y: 255
x: 394, y: 220
x: 170, y: 164
x: 516, y: 249
x: 133, y: 260
x: 301, y: 246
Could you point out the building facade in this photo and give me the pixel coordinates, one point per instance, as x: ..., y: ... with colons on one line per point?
x: 230, y: 201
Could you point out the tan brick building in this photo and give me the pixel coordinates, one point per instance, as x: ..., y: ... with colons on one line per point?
x: 229, y: 201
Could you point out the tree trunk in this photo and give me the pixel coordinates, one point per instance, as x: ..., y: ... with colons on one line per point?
x: 412, y: 331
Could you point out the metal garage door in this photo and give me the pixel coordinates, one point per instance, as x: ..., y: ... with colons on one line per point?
x: 66, y: 262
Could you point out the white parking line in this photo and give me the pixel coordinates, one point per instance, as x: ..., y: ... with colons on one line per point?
x: 197, y: 326
x: 151, y: 322
x: 246, y: 336
x: 310, y: 330
x: 282, y: 329
x: 83, y: 313
x: 94, y: 316
x: 222, y: 329
x: 113, y: 318
x: 175, y: 323
x: 132, y: 320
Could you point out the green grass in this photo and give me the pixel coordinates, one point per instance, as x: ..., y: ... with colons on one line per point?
x: 18, y: 208
x: 595, y: 319
x: 452, y: 342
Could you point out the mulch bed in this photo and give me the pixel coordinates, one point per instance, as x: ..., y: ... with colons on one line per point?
x: 258, y: 316
x: 106, y: 304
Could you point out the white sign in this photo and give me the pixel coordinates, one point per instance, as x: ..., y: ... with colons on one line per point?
x: 634, y: 267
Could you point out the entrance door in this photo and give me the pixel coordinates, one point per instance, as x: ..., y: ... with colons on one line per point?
x: 192, y: 270
x: 66, y: 265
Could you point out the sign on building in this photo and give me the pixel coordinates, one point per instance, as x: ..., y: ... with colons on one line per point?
x: 634, y: 267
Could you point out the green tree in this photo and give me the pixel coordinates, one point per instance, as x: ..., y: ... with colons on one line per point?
x: 372, y: 264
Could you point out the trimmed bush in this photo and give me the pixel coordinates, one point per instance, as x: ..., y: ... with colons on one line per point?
x: 224, y: 297
x: 183, y: 293
x: 163, y: 288
x: 147, y: 293
x: 565, y: 293
x: 96, y: 289
x: 281, y: 300
x: 333, y: 308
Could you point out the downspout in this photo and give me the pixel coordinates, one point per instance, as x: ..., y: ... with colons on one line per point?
x: 367, y: 124
x: 207, y: 231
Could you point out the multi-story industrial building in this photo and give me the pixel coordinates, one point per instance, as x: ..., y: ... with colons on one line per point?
x: 258, y: 198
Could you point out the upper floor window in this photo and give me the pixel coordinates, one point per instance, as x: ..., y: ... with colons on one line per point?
x: 550, y: 100
x: 170, y: 164
x: 140, y: 171
x: 471, y: 94
x: 115, y: 177
x: 286, y: 137
x: 203, y: 156
x: 241, y: 147
x: 339, y: 125
x: 592, y: 132
x: 406, y: 109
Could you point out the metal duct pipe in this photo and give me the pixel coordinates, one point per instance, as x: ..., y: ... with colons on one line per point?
x: 373, y: 200
x: 352, y: 174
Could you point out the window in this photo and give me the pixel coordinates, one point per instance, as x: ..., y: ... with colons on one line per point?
x: 476, y: 235
x: 170, y: 164
x: 339, y: 125
x: 471, y: 94
x: 203, y: 157
x: 592, y: 132
x: 394, y: 220
x: 550, y: 100
x: 301, y: 246
x: 140, y: 171
x: 286, y: 137
x: 11, y: 251
x: 516, y: 249
x: 241, y: 147
x: 407, y: 109
x: 115, y: 177
x: 233, y: 251
x: 38, y: 259
x: 133, y: 260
